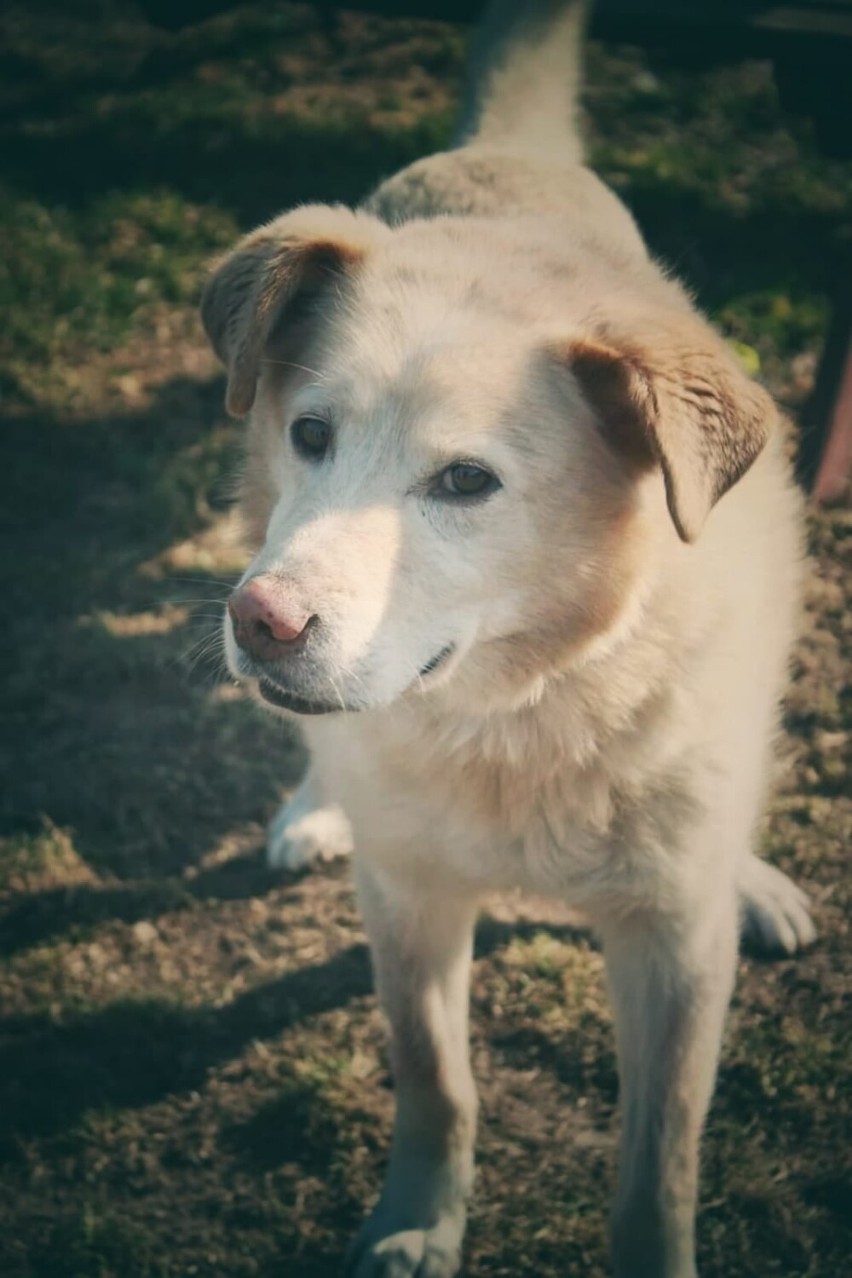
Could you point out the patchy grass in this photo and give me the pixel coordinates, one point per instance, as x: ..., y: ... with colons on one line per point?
x: 192, y: 1068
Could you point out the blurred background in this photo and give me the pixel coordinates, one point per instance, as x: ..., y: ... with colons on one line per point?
x: 192, y: 1070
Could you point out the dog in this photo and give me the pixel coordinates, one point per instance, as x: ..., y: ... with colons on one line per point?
x: 528, y: 555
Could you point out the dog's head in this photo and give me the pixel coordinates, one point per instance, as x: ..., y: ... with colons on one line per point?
x: 454, y: 471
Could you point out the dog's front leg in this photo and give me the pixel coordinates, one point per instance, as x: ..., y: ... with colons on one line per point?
x: 421, y: 945
x: 307, y: 828
x: 671, y: 980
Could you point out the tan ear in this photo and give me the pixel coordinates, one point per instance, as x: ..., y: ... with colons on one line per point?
x: 272, y: 278
x: 681, y: 402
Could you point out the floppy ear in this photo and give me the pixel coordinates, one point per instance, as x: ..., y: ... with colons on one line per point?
x: 682, y: 404
x: 270, y: 282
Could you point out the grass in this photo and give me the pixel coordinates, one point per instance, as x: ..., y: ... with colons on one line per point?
x: 193, y: 1077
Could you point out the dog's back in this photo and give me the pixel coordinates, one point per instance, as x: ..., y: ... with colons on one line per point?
x: 518, y: 145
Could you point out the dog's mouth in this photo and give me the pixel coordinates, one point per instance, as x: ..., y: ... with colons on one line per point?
x: 272, y: 691
x: 278, y: 696
x: 437, y: 660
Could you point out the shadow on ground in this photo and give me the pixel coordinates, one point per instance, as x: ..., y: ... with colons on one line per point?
x: 136, y: 1053
x: 109, y: 730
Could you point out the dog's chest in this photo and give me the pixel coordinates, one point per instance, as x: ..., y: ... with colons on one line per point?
x: 519, y: 802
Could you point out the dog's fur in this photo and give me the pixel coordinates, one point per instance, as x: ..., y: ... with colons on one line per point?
x: 602, y: 727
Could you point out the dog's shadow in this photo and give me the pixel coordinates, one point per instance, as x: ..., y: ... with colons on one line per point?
x: 134, y: 1053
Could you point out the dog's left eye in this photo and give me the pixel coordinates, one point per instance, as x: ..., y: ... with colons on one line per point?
x: 465, y: 479
x: 311, y: 437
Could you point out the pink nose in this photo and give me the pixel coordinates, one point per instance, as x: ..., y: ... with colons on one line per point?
x: 268, y: 623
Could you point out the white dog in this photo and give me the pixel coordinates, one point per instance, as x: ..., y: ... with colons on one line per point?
x: 487, y: 438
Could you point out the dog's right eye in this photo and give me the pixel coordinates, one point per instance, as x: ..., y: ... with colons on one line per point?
x: 311, y: 437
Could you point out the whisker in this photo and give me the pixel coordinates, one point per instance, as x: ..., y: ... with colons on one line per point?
x: 209, y: 644
x: 350, y: 674
x: 189, y: 601
x: 193, y: 657
x: 203, y: 581
x: 217, y: 615
x: 286, y: 363
x: 337, y: 693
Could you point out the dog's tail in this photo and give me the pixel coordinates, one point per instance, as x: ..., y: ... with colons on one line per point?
x: 524, y: 78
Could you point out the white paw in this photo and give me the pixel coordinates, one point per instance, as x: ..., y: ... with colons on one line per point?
x: 408, y: 1253
x: 776, y: 913
x: 299, y: 835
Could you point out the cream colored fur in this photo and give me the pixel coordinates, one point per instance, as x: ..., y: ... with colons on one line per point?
x: 619, y: 613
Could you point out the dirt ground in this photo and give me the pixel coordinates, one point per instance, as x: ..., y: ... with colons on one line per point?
x: 193, y: 1078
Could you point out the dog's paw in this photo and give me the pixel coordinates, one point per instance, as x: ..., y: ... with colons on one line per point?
x: 300, y: 836
x: 408, y: 1253
x: 776, y: 917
